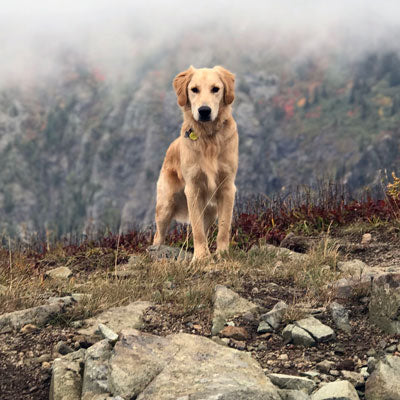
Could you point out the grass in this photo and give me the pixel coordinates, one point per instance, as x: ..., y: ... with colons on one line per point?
x: 187, y: 289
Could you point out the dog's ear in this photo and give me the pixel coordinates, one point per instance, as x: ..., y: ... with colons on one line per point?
x: 180, y: 85
x: 228, y: 79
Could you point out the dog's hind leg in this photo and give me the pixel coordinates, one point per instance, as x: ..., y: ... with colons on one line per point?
x: 164, y: 215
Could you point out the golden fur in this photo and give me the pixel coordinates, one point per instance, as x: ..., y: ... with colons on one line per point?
x: 196, y: 182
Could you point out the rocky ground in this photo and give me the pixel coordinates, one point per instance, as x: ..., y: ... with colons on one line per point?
x: 263, y: 338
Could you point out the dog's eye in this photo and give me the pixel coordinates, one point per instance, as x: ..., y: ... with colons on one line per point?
x: 215, y: 89
x: 195, y: 90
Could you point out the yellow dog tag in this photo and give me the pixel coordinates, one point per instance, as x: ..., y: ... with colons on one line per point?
x: 193, y: 136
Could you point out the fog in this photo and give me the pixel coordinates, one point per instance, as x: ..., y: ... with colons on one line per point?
x: 113, y: 35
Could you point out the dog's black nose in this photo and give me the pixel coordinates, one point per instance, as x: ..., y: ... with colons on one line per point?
x: 204, y: 112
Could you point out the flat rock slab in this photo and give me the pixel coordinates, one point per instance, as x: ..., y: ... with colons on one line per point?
x: 228, y: 304
x: 59, y: 273
x: 294, y: 334
x: 148, y: 367
x: 38, y: 315
x: 338, y: 390
x: 319, y: 331
x: 174, y: 253
x: 292, y: 382
x: 384, y: 382
x: 118, y: 318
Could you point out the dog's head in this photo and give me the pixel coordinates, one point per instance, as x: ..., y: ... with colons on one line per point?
x: 205, y: 91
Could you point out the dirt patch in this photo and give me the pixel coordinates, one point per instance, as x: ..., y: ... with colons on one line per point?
x: 25, y: 370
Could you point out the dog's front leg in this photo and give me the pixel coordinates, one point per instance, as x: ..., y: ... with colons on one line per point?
x: 196, y: 198
x: 225, y: 202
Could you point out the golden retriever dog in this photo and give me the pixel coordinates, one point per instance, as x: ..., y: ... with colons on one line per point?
x: 197, y: 178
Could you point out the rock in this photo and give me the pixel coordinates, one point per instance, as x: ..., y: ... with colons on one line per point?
x: 384, y: 382
x: 29, y: 328
x: 294, y: 334
x: 364, y: 372
x: 95, y: 376
x: 237, y: 344
x: 264, y: 327
x: 347, y: 364
x: 38, y: 315
x: 355, y: 268
x: 366, y: 238
x: 292, y: 382
x: 62, y: 348
x: 235, y: 332
x: 293, y: 395
x: 319, y: 331
x: 384, y: 309
x: 283, y: 252
x: 340, y: 316
x: 274, y: 317
x: 310, y: 374
x: 228, y: 304
x: 107, y: 333
x: 163, y: 251
x: 184, y: 366
x: 59, y: 273
x: 66, y: 380
x: 325, y: 366
x: 299, y: 244
x: 372, y: 362
x: 356, y: 379
x: 117, y: 318
x: 338, y: 390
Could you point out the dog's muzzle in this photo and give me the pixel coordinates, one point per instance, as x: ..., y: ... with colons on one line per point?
x: 204, y: 113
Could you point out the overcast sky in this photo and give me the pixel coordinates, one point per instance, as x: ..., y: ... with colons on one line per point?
x: 31, y: 31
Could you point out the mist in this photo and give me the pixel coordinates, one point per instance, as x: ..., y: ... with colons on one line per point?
x: 115, y: 35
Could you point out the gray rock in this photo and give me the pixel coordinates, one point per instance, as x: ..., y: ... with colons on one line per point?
x: 228, y: 304
x: 292, y: 382
x: 340, y: 316
x: 264, y: 327
x: 355, y: 268
x: 325, y: 366
x: 293, y: 395
x: 118, y: 318
x: 355, y: 378
x: 319, y: 331
x: 294, y: 334
x: 184, y: 366
x: 371, y: 363
x: 62, y: 348
x: 338, y: 390
x: 283, y: 252
x: 384, y: 382
x: 95, y: 376
x: 164, y: 251
x: 38, y: 315
x: 310, y: 374
x: 59, y: 273
x: 107, y: 333
x: 66, y: 380
x: 274, y: 317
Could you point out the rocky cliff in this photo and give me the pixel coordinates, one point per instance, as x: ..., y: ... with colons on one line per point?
x: 82, y: 152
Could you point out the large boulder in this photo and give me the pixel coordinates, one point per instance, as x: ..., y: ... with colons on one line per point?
x: 384, y: 382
